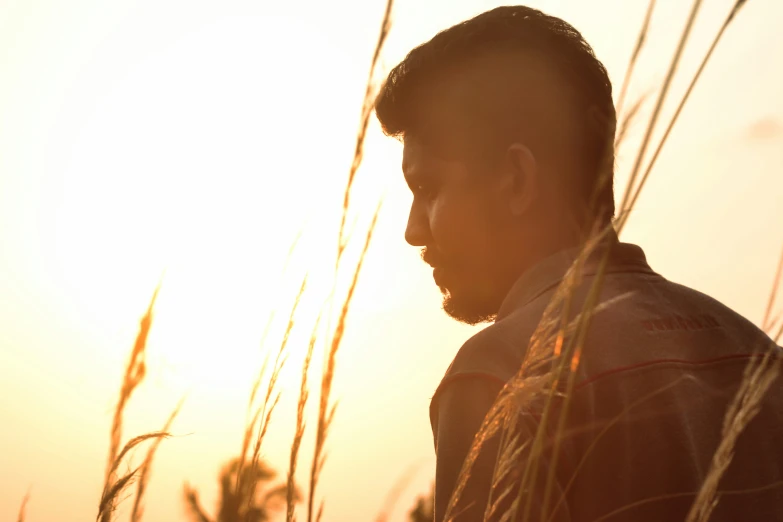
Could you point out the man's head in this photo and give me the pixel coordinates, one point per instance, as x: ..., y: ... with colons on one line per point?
x: 508, y: 128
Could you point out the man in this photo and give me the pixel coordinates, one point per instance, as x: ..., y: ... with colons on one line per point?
x: 508, y: 127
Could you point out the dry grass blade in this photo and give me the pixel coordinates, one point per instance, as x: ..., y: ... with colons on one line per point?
x: 510, y: 453
x: 624, y: 206
x: 195, y: 511
x: 267, y: 327
x: 597, y: 438
x: 367, y: 107
x: 635, y: 56
x: 261, y: 373
x: 549, y: 346
x: 572, y: 356
x: 568, y: 359
x: 394, y: 493
x: 777, y: 336
x: 111, y: 490
x: 23, y: 507
x: 304, y: 394
x: 264, y: 413
x: 135, y: 441
x: 491, y: 425
x: 734, y: 10
x: 108, y: 499
x: 146, y: 466
x: 768, y: 323
x: 684, y: 99
x: 134, y: 374
x: 760, y: 374
x: 625, y: 123
x: 325, y: 410
x: 672, y: 496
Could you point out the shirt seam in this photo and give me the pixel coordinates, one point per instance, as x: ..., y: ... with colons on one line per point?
x: 648, y: 364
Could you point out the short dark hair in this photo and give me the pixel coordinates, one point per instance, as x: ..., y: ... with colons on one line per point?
x: 526, y: 29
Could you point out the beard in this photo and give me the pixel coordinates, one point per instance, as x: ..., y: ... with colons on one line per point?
x: 469, y: 309
x: 466, y: 298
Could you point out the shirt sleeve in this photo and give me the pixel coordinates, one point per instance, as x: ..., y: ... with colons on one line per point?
x: 462, y: 403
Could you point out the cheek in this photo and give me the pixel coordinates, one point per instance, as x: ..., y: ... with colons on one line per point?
x: 461, y: 228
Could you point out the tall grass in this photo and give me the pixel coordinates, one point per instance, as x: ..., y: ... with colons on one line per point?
x: 393, y: 496
x: 262, y: 418
x: 23, y: 507
x: 114, y: 485
x: 327, y: 409
x: 770, y: 320
x: 547, y: 373
x: 304, y: 394
x: 625, y: 205
x: 729, y: 18
x: 637, y: 51
x: 759, y: 376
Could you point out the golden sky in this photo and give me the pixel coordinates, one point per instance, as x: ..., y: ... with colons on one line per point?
x: 200, y: 137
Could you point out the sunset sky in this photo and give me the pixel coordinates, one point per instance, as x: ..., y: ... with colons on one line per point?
x: 200, y: 138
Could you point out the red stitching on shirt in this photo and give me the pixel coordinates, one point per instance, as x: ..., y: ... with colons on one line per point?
x: 463, y: 375
x: 613, y: 371
x: 452, y: 378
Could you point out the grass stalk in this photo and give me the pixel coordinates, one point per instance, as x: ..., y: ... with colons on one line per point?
x: 737, y: 6
x: 265, y: 334
x: 326, y: 409
x: 687, y: 494
x: 134, y: 374
x: 573, y: 357
x: 641, y: 39
x: 23, y: 507
x: 567, y: 360
x: 146, y: 466
x: 194, y: 509
x: 304, y: 394
x: 760, y: 374
x: 768, y: 323
x: 624, y: 206
x: 263, y: 414
x: 394, y: 493
x: 625, y: 122
x: 364, y: 122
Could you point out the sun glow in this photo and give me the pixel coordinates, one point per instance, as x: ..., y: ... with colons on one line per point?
x: 196, y: 162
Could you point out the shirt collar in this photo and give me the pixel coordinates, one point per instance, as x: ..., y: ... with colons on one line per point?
x: 623, y: 257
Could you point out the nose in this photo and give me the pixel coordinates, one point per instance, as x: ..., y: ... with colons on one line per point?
x: 417, y: 233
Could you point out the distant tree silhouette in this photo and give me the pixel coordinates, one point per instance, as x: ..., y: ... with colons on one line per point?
x: 254, y: 500
x: 424, y: 510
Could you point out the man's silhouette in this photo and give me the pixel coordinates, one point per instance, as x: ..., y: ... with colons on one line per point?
x: 508, y: 127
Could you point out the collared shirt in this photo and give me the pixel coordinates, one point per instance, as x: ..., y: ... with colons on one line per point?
x: 661, y: 364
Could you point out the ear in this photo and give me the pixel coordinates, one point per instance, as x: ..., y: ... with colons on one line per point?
x: 522, y: 184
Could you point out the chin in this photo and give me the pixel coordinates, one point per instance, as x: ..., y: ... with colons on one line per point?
x: 467, y: 310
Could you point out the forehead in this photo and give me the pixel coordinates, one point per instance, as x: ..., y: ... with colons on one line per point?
x: 422, y: 163
x: 419, y: 157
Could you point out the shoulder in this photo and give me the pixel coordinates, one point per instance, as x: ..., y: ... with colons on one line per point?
x: 496, y: 352
x: 707, y: 312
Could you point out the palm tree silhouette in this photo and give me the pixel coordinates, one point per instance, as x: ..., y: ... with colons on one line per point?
x: 251, y: 499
